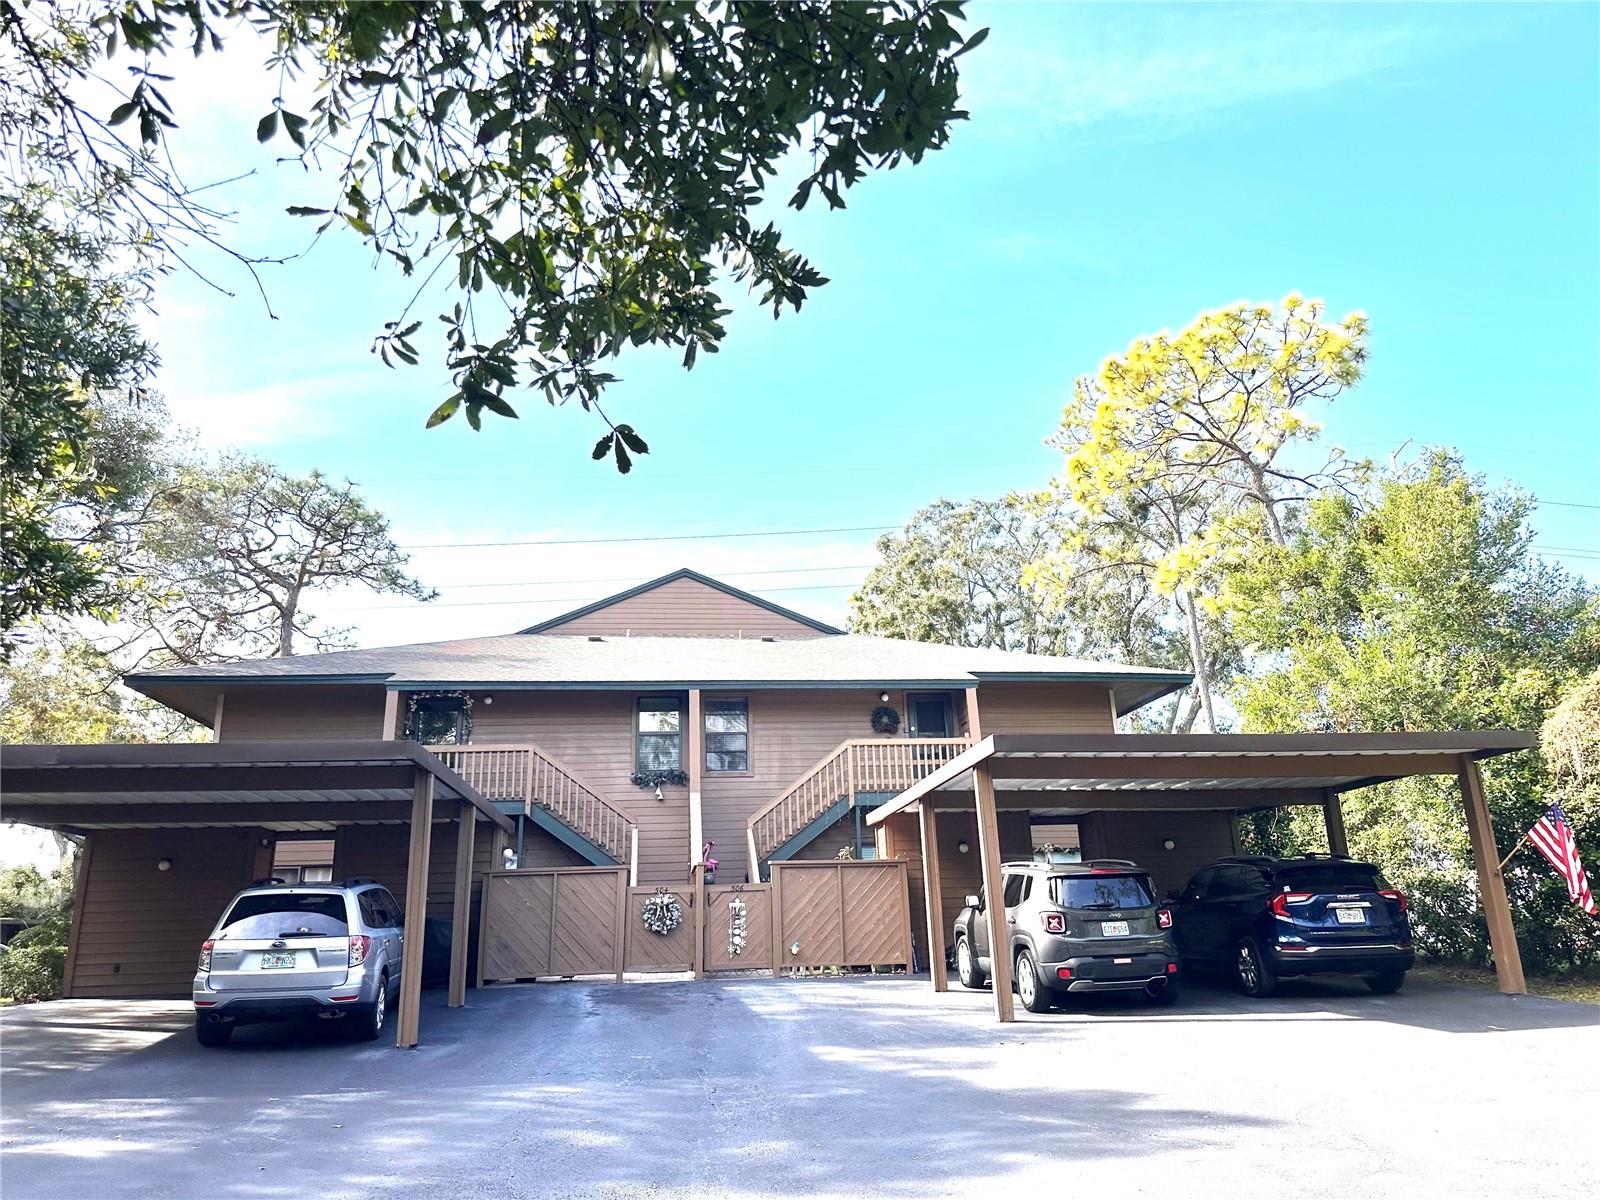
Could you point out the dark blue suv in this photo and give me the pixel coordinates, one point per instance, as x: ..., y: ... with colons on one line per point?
x: 1265, y: 919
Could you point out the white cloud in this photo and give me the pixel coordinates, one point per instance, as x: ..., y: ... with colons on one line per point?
x: 1169, y: 70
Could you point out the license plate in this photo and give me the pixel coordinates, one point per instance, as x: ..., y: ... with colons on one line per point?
x: 277, y: 960
x: 1113, y: 929
x: 1122, y: 962
x: 1350, y: 916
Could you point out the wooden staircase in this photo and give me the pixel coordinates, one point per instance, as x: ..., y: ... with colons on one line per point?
x: 858, y: 767
x: 555, y: 796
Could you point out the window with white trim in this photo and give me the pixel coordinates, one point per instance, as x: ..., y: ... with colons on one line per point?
x: 658, y: 734
x: 727, y: 731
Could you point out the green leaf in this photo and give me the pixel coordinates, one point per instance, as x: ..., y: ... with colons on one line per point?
x: 298, y: 210
x: 267, y: 126
x: 444, y: 412
x: 624, y: 463
x: 123, y: 111
x: 497, y: 404
x: 973, y: 42
x: 602, y: 447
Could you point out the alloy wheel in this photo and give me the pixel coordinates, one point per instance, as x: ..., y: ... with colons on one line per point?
x: 382, y: 1005
x: 1026, y: 983
x: 1249, y: 969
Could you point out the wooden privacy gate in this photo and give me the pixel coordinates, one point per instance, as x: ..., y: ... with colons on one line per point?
x: 588, y: 921
x: 841, y: 913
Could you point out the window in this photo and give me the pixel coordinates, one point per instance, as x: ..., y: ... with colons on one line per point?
x: 1330, y: 877
x: 1101, y: 891
x: 316, y: 874
x: 1014, y: 889
x: 268, y: 915
x: 658, y: 740
x: 438, y: 721
x: 727, y: 720
x: 372, y: 913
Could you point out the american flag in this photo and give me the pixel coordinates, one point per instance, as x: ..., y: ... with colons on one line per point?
x: 1552, y: 837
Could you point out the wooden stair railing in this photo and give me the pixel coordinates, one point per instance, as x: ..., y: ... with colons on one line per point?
x: 857, y: 765
x: 531, y: 777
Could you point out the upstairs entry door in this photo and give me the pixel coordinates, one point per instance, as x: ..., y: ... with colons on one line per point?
x: 930, y: 715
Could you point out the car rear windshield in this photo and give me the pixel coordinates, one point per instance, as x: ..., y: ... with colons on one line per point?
x: 287, y: 914
x: 1329, y: 877
x: 1100, y: 891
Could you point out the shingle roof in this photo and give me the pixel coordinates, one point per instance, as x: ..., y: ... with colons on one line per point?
x: 565, y: 661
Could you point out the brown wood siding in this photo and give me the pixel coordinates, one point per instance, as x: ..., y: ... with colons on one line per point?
x: 1199, y: 839
x: 139, y: 929
x: 272, y: 712
x: 294, y: 853
x: 592, y: 734
x: 685, y: 607
x: 1044, y: 708
x: 790, y: 731
x: 827, y: 844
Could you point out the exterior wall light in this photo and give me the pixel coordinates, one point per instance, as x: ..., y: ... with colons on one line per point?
x: 962, y: 846
x: 164, y: 865
x: 510, y: 857
x: 488, y: 699
x: 1169, y: 844
x: 883, y: 697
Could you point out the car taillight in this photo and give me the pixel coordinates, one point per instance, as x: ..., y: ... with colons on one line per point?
x: 1396, y: 895
x: 1280, y: 903
x: 1055, y: 923
x: 205, y: 955
x: 360, y: 943
x: 1164, y: 918
x: 1063, y: 972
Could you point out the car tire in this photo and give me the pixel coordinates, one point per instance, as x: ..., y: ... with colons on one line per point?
x: 370, y: 1018
x: 1031, y: 990
x: 212, y: 1033
x: 1253, y: 972
x: 1169, y: 993
x: 1386, y: 983
x: 967, y: 966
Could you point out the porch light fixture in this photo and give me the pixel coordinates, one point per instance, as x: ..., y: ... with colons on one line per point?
x: 883, y: 697
x: 658, y: 791
x: 510, y: 857
x: 488, y: 699
x: 1169, y: 844
x: 164, y: 865
x: 962, y: 846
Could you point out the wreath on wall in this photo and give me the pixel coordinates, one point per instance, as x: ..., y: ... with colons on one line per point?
x: 662, y: 913
x: 413, y: 699
x: 672, y: 777
x: 885, y: 719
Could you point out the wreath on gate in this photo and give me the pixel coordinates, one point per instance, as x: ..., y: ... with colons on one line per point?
x: 662, y: 913
x: 885, y: 719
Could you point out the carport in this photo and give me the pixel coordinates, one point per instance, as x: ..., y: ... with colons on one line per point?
x: 244, y: 792
x: 1176, y: 772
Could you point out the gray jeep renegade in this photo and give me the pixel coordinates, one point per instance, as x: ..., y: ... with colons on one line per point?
x: 1075, y: 927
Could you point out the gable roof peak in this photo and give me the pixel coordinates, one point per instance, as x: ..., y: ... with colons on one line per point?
x: 682, y: 573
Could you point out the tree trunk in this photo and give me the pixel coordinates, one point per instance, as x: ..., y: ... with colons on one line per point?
x: 1197, y: 658
x: 286, y: 616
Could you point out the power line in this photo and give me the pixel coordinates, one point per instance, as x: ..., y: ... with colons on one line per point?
x: 653, y: 537
x: 424, y: 605
x: 634, y: 578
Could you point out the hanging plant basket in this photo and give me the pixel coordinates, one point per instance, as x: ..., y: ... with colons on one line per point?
x: 885, y: 719
x: 662, y: 913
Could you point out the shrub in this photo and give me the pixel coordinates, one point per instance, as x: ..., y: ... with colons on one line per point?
x: 32, y: 972
x: 52, y: 932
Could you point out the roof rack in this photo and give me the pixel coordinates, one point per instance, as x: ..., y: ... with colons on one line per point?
x: 354, y: 881
x: 267, y: 882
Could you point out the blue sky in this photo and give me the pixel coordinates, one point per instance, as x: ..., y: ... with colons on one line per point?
x: 1126, y: 166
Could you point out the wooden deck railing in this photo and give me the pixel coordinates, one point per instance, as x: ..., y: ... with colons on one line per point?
x: 531, y: 777
x: 858, y: 765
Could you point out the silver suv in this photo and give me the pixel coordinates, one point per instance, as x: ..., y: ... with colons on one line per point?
x: 1075, y: 927
x: 280, y: 953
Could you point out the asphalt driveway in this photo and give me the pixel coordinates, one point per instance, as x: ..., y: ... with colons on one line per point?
x: 851, y: 1087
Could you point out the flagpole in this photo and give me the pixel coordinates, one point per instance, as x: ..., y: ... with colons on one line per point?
x: 1514, y: 849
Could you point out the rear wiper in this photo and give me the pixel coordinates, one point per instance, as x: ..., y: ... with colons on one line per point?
x: 289, y: 933
x: 1100, y: 905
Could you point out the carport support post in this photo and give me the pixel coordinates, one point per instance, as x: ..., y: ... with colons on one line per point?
x: 461, y: 905
x: 994, y: 901
x: 416, y: 911
x: 1491, y: 884
x: 928, y: 824
x: 1333, y: 821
